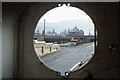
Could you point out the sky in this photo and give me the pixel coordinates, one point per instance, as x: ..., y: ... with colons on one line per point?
x: 65, y: 13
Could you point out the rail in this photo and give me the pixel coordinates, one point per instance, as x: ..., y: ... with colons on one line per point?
x: 78, y: 65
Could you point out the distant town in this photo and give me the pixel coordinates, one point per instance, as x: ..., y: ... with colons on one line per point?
x: 70, y: 35
x: 75, y: 32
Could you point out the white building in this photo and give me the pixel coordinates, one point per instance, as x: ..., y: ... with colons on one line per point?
x: 72, y: 32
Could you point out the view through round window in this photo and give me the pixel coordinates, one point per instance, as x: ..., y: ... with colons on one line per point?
x: 64, y: 38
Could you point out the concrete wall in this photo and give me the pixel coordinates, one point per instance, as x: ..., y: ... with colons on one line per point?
x: 42, y: 48
x: 103, y: 64
x: 8, y: 45
x: 29, y: 60
x: 0, y: 40
x: 101, y: 14
x: 0, y: 52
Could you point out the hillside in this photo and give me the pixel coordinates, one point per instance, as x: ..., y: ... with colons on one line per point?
x: 61, y: 26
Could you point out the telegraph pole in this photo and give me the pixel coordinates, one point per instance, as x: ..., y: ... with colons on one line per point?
x: 44, y: 29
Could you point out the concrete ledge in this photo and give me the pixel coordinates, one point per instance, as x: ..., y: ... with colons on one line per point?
x: 42, y: 48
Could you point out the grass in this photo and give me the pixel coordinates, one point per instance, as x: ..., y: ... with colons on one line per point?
x: 72, y: 44
x: 85, y: 43
x: 68, y: 44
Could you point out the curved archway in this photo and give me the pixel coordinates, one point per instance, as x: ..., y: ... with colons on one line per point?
x: 25, y: 17
x: 28, y: 44
x: 41, y: 44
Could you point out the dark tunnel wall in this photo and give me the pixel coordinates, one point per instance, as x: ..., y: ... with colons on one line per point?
x: 104, y: 64
x: 105, y: 61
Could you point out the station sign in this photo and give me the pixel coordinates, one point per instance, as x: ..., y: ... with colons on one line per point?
x: 74, y: 39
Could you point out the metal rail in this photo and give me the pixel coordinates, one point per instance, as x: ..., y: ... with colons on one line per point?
x: 79, y: 64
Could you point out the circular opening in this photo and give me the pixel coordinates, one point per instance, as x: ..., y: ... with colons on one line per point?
x: 64, y: 38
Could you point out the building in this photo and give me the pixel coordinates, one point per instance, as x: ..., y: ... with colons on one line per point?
x: 18, y: 57
x: 64, y: 33
x: 75, y: 32
x: 53, y: 33
x: 37, y: 33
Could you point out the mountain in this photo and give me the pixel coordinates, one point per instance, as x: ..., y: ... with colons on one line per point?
x: 85, y: 25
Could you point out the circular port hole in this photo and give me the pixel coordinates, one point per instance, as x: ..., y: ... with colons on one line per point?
x: 64, y: 38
